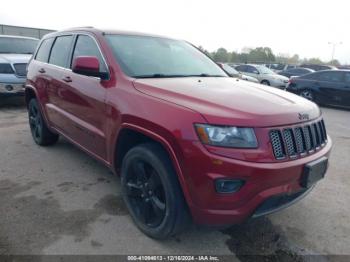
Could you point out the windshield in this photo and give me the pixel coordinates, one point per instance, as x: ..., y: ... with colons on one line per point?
x: 264, y: 70
x: 12, y: 45
x: 145, y: 56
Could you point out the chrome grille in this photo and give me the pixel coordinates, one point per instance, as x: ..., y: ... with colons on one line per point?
x: 278, y: 147
x: 21, y: 69
x: 291, y: 142
x: 300, y: 140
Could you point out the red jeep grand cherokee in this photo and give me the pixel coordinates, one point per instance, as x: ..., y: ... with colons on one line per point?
x: 187, y: 140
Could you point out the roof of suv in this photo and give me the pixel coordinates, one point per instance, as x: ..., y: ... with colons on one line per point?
x: 105, y: 31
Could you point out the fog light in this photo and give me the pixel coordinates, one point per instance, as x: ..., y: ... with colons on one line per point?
x: 228, y: 185
x: 9, y: 87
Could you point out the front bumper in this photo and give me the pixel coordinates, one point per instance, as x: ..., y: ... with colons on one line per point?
x: 264, y: 182
x: 11, y: 89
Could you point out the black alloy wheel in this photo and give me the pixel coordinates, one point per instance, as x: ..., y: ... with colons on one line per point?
x: 35, y: 122
x: 146, y: 193
x: 40, y: 132
x: 152, y: 192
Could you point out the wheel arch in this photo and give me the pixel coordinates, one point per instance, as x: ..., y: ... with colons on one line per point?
x: 131, y: 135
x: 29, y: 93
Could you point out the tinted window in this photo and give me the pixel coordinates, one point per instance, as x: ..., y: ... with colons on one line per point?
x: 44, y: 50
x: 86, y: 46
x: 331, y: 76
x: 60, y: 51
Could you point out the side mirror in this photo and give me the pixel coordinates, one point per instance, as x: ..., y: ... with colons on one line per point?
x: 89, y: 66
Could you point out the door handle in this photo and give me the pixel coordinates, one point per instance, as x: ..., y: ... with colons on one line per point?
x: 67, y: 79
x: 42, y: 70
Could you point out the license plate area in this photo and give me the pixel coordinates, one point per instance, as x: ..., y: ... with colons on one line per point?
x: 314, y: 171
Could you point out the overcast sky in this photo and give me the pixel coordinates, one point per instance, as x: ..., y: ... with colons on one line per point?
x: 303, y: 27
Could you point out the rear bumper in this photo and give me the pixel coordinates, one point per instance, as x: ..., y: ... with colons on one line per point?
x: 268, y: 187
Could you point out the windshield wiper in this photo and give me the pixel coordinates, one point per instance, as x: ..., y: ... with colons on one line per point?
x: 207, y: 75
x: 157, y: 76
x: 169, y: 76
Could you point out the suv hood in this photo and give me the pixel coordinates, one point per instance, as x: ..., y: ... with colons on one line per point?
x: 229, y: 101
x: 15, y: 58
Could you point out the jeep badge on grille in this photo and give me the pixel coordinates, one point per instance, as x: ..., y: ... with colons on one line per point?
x: 303, y: 116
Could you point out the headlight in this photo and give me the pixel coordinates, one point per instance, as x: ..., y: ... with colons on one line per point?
x: 227, y: 136
x: 6, y: 69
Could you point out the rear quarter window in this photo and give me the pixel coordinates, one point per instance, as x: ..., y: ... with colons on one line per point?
x: 44, y: 50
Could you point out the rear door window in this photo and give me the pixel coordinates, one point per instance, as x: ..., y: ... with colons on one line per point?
x: 86, y: 46
x: 61, y: 50
x: 44, y: 50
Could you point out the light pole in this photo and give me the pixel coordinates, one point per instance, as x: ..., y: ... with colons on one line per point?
x: 334, y: 44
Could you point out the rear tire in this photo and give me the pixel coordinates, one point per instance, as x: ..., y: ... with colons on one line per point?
x: 152, y: 192
x: 265, y: 82
x: 40, y: 132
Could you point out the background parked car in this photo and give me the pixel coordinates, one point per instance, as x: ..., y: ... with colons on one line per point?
x: 319, y: 67
x: 298, y: 71
x: 234, y: 73
x: 264, y: 75
x: 15, y: 53
x: 279, y: 67
x: 330, y: 87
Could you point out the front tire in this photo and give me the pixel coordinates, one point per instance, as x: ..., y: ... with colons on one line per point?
x: 265, y: 82
x: 307, y: 94
x: 40, y: 132
x: 152, y: 192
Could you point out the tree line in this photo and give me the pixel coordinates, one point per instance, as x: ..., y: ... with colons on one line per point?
x: 260, y: 55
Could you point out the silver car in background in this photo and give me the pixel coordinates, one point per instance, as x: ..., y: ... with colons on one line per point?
x: 264, y: 75
x: 15, y: 53
x: 234, y: 73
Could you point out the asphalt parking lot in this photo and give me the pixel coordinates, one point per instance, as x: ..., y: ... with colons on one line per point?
x: 58, y: 200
